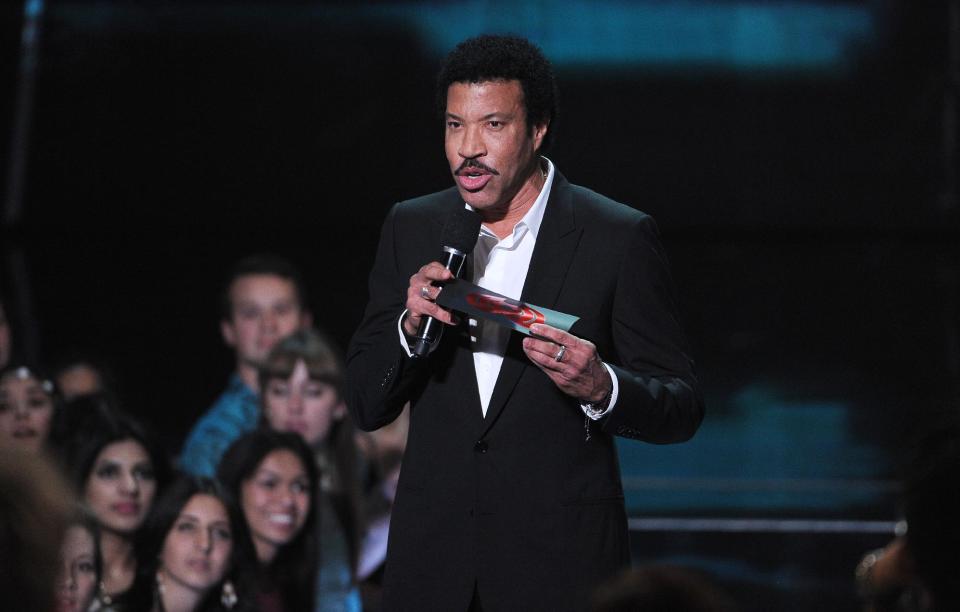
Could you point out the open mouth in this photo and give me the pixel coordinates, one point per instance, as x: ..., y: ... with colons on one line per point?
x: 283, y: 520
x: 473, y: 180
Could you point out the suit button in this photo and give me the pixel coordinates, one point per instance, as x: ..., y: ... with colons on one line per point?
x: 480, y: 447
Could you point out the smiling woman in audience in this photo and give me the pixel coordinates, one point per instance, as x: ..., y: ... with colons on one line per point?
x: 302, y: 383
x: 273, y: 476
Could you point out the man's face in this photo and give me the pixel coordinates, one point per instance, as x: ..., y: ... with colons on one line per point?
x: 265, y: 308
x: 490, y: 148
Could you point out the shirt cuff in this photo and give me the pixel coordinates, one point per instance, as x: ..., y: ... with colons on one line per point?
x: 403, y: 334
x: 404, y: 342
x: 596, y: 415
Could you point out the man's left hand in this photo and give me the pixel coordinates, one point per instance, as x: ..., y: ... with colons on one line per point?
x: 579, y: 372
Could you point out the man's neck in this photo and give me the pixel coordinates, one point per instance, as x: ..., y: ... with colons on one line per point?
x: 249, y: 375
x: 502, y: 221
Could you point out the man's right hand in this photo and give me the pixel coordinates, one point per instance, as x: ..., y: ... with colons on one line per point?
x: 421, y: 296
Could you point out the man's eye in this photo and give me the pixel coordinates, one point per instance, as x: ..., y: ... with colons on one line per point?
x: 453, y: 124
x: 248, y: 313
x: 495, y: 124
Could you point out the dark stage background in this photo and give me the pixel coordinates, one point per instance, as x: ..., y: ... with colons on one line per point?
x: 798, y: 156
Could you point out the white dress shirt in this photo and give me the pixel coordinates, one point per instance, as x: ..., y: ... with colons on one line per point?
x: 501, y: 266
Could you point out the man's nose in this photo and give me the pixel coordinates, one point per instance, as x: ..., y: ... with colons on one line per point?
x: 472, y: 145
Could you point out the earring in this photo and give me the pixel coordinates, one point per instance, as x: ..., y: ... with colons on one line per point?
x: 159, y: 582
x: 105, y: 599
x: 228, y: 596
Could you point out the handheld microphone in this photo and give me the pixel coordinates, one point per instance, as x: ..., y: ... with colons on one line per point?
x: 460, y: 233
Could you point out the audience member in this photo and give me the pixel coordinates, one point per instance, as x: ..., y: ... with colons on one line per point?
x: 80, y: 564
x: 302, y: 383
x: 117, y: 471
x: 274, y: 477
x: 262, y: 300
x: 79, y: 373
x: 382, y: 452
x: 28, y: 405
x: 188, y: 547
x: 35, y: 505
x: 915, y: 571
x: 660, y: 589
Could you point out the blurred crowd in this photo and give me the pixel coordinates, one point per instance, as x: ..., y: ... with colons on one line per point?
x: 275, y: 502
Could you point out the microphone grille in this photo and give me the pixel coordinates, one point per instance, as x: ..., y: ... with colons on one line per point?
x: 461, y: 230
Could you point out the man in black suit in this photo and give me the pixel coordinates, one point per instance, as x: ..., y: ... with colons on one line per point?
x: 510, y: 495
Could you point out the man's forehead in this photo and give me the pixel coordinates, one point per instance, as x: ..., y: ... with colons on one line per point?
x: 505, y: 95
x: 252, y: 286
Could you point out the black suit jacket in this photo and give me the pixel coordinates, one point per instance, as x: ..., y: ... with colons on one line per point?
x: 520, y: 503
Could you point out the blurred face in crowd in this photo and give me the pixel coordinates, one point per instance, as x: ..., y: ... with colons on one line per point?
x: 491, y: 150
x: 77, y: 580
x: 121, y: 486
x: 265, y: 308
x: 275, y: 502
x: 79, y: 379
x: 302, y: 405
x: 6, y: 341
x: 26, y: 409
x: 196, y: 551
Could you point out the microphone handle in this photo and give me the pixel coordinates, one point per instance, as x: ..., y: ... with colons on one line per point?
x: 430, y: 328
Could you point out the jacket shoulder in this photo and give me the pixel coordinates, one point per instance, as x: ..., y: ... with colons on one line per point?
x: 602, y: 209
x: 429, y: 205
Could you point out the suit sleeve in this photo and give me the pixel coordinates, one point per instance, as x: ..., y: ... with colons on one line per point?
x: 659, y: 396
x: 379, y: 372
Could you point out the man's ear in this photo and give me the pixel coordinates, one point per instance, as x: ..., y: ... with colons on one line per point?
x: 306, y: 319
x: 229, y: 333
x: 539, y: 133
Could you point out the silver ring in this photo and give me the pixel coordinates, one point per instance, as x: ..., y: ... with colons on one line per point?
x: 560, y: 353
x: 425, y: 292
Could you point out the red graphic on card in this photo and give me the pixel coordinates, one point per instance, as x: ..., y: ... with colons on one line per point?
x: 520, y: 314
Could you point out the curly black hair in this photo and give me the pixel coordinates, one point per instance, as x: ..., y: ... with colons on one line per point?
x: 501, y: 57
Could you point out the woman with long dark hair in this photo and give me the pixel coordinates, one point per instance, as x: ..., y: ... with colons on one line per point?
x: 117, y: 471
x: 80, y: 564
x: 188, y: 548
x: 302, y: 387
x: 273, y: 477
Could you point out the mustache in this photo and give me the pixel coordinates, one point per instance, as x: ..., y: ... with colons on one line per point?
x: 472, y: 163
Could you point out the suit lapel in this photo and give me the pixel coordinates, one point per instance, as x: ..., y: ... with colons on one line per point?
x: 556, y: 244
